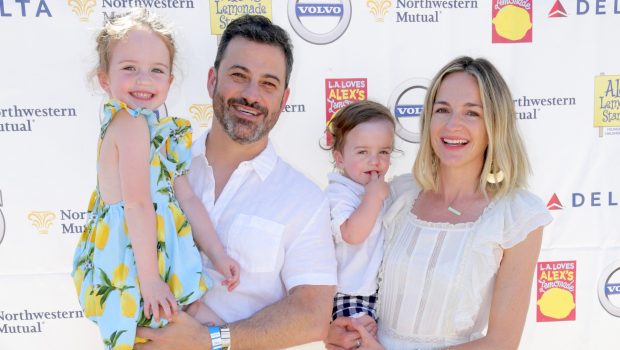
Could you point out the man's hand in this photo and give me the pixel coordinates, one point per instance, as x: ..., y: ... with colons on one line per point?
x: 183, y: 332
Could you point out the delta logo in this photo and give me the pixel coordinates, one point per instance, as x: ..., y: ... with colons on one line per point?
x: 578, y: 199
x: 557, y: 11
x: 342, y: 92
x: 512, y: 21
x: 556, y: 291
x: 225, y: 11
x: 24, y: 8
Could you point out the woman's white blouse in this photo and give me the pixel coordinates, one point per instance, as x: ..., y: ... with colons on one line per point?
x: 437, y: 278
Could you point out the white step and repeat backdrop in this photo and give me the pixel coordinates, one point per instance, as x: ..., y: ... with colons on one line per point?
x: 560, y: 58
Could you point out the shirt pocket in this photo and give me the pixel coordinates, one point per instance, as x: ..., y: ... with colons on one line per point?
x: 255, y: 242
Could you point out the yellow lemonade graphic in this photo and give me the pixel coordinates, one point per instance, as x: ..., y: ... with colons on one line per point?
x: 512, y: 22
x: 556, y: 303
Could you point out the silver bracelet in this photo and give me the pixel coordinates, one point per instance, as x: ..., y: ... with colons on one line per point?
x: 216, y: 337
x: 225, y: 336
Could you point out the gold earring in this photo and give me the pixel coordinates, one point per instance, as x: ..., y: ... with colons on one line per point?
x: 495, y: 178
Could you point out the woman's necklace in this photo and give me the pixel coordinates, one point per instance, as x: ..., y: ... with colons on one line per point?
x: 454, y: 211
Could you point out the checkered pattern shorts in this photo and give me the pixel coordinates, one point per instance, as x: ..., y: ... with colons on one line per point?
x: 350, y: 305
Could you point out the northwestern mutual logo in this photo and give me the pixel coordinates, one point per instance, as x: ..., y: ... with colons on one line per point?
x: 71, y: 221
x: 530, y: 107
x: 379, y: 8
x: 427, y: 11
x: 24, y: 8
x: 82, y: 8
x: 28, y: 321
x: 22, y: 119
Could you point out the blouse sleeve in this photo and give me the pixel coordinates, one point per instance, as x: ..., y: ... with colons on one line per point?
x: 525, y: 213
x: 178, y: 147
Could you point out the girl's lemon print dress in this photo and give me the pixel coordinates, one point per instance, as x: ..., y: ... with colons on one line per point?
x: 104, y: 267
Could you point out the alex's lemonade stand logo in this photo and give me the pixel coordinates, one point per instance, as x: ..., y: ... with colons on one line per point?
x: 606, y: 102
x: 556, y: 291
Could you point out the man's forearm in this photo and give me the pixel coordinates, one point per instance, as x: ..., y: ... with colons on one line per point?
x: 301, y: 317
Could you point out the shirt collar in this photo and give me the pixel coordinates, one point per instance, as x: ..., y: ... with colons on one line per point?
x: 263, y: 164
x: 345, y: 181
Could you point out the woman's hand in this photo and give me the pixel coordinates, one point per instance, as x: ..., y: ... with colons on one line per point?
x: 343, y: 335
x: 367, y: 340
x: 156, y: 294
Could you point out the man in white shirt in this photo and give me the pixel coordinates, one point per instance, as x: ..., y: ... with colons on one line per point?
x: 270, y: 218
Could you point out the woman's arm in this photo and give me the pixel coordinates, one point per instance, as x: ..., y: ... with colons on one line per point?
x: 204, y: 232
x: 511, y: 296
x: 132, y: 140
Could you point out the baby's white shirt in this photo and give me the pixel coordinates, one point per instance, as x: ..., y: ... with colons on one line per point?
x: 358, y: 265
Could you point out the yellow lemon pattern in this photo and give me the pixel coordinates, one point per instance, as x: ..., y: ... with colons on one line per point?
x: 512, y: 22
x: 556, y: 303
x: 104, y: 270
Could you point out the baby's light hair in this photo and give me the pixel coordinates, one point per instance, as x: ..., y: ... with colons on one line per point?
x: 116, y: 28
x: 353, y: 115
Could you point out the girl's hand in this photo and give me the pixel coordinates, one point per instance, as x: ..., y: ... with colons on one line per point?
x: 367, y: 340
x: 229, y: 268
x: 156, y: 294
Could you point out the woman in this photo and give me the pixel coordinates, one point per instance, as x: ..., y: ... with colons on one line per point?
x: 462, y: 235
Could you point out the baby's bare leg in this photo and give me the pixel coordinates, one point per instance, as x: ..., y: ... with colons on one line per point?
x: 201, y: 312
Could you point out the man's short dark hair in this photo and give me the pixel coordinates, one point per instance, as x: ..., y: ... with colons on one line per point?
x: 261, y: 30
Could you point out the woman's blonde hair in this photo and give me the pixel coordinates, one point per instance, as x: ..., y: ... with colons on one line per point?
x: 505, y: 150
x: 116, y: 28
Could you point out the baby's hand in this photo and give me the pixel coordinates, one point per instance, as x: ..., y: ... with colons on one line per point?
x: 156, y: 294
x: 229, y: 268
x: 377, y: 187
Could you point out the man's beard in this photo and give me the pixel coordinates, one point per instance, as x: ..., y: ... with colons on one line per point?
x: 240, y: 130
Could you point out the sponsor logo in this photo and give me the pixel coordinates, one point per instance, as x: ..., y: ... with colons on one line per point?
x: 512, y: 21
x: 342, y: 92
x: 578, y: 199
x: 600, y: 8
x: 224, y: 11
x: 607, y: 104
x: 42, y: 220
x: 32, y: 321
x: 557, y: 10
x: 202, y: 113
x: 24, y: 8
x: 2, y: 222
x: 109, y: 7
x: 556, y: 291
x: 294, y: 108
x: 428, y: 11
x: 406, y: 103
x: 609, y: 289
x: 529, y: 108
x: 554, y: 203
x: 318, y: 16
x: 82, y: 8
x: 22, y: 119
x: 71, y: 221
x: 379, y: 8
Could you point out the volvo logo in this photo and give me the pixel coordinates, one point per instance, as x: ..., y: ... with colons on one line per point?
x: 609, y: 289
x: 316, y: 17
x: 406, y: 104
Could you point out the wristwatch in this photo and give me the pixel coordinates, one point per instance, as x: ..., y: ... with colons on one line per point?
x: 220, y: 337
x: 225, y: 336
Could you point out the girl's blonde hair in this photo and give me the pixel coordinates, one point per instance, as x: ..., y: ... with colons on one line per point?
x: 505, y: 150
x: 117, y: 27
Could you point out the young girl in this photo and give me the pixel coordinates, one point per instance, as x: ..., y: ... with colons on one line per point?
x: 136, y: 260
x: 362, y: 141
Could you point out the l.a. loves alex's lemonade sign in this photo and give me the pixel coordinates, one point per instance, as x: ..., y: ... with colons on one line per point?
x: 556, y: 291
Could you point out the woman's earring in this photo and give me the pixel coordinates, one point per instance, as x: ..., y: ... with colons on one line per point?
x: 495, y: 178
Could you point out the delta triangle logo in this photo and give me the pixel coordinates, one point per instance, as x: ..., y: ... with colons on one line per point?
x: 557, y: 10
x: 554, y: 203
